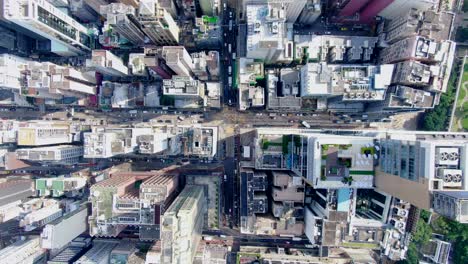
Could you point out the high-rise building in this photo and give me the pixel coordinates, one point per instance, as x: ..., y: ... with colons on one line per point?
x: 157, y: 23
x: 61, y: 154
x: 182, y: 225
x: 210, y: 7
x: 178, y: 59
x: 122, y: 19
x: 312, y: 10
x: 427, y: 170
x: 67, y: 36
x: 11, y: 67
x: 268, y: 37
x: 105, y: 62
x: 290, y: 8
x: 365, y: 11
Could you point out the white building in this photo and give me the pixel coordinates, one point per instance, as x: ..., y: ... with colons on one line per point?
x: 41, y: 217
x: 59, y: 233
x: 182, y: 225
x: 107, y: 142
x: 67, y: 36
x: 353, y: 82
x: 122, y: 19
x: 42, y: 134
x: 291, y: 8
x: 11, y: 67
x: 183, y: 87
x: 157, y: 23
x: 269, y: 37
x: 153, y: 143
x: 63, y: 154
x: 23, y: 251
x: 178, y: 59
x: 398, y: 7
x: 105, y: 62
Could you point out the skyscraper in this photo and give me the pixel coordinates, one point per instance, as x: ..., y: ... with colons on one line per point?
x: 182, y: 225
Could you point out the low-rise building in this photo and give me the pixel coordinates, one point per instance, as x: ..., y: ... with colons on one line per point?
x: 118, y: 202
x: 207, y: 32
x: 283, y: 89
x: 61, y: 154
x: 250, y: 95
x: 59, y: 186
x: 105, y: 142
x: 105, y: 62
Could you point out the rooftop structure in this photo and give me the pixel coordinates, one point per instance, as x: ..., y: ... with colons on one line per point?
x: 283, y: 89
x: 50, y: 81
x: 38, y: 217
x: 253, y: 197
x: 41, y: 134
x: 213, y: 94
x: 178, y: 244
x: 132, y: 198
x: 207, y: 31
x: 99, y: 253
x: 269, y: 37
x: 107, y: 142
x: 401, y: 98
x: 157, y: 23
x: 327, y: 48
x: 183, y: 86
x: 67, y: 36
x: 136, y: 64
x: 352, y: 82
x: 416, y: 74
x: 206, y: 66
x: 250, y: 95
x: 62, y: 154
x: 415, y: 22
x: 198, y: 141
x: 153, y: 143
x: 107, y: 63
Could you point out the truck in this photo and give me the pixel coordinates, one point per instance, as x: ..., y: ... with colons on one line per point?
x: 230, y: 25
x: 296, y: 239
x: 133, y: 112
x: 229, y: 70
x: 233, y: 55
x: 230, y: 81
x: 230, y: 48
x: 305, y: 124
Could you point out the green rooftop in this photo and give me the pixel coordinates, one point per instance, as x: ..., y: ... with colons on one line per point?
x: 210, y: 19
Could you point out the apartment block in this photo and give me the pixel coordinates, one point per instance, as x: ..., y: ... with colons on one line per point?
x: 312, y: 10
x: 414, y: 22
x: 122, y: 19
x: 178, y: 60
x: 11, y: 67
x: 425, y: 169
x: 158, y: 23
x: 182, y: 225
x: 61, y: 154
x: 105, y: 62
x: 253, y: 199
x: 269, y: 36
x: 250, y: 95
x: 67, y: 36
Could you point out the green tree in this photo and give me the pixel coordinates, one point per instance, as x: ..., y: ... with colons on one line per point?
x: 423, y: 233
x: 411, y: 255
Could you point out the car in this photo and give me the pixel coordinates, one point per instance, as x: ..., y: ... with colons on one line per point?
x: 327, y: 33
x: 291, y: 121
